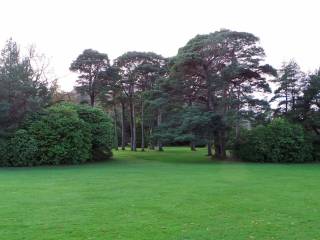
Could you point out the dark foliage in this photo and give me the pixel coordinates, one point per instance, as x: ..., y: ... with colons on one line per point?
x: 278, y: 142
x: 61, y: 134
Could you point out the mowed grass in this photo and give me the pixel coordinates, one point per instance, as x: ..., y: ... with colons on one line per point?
x: 176, y: 194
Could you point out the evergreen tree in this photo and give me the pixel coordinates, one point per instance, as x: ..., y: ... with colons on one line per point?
x: 23, y: 87
x: 221, y: 71
x: 289, y: 87
x: 138, y: 71
x: 90, y: 64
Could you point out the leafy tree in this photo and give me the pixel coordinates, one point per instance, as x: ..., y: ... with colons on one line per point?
x: 90, y: 64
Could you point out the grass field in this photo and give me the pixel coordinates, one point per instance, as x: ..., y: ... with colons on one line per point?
x: 176, y: 194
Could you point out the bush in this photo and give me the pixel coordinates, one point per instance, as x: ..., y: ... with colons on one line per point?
x: 62, y: 137
x: 101, y: 131
x: 4, y: 158
x: 22, y: 149
x: 61, y: 134
x: 279, y: 142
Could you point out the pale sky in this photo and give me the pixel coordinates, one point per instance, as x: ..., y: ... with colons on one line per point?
x: 63, y: 29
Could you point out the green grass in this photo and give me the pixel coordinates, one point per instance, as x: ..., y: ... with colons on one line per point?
x: 176, y: 194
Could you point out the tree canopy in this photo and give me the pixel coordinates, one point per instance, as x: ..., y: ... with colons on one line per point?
x: 90, y: 64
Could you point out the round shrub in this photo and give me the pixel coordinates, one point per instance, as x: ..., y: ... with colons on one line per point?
x: 61, y: 134
x: 278, y: 142
x: 62, y: 137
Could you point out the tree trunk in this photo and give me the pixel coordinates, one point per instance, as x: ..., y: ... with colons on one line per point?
x: 209, y: 96
x: 209, y: 108
x: 217, y: 150
x: 192, y: 146
x: 286, y: 100
x: 123, y: 135
x: 151, y: 144
x: 92, y: 100
x: 219, y: 145
x: 142, y: 127
x: 238, y: 116
x: 115, y: 128
x: 237, y: 128
x: 223, y: 152
x: 133, y: 126
x: 159, y: 119
x: 293, y: 101
x: 209, y: 146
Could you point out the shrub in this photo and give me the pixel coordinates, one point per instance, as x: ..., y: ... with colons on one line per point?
x: 22, y: 149
x: 62, y: 137
x: 61, y: 134
x: 101, y: 131
x: 4, y: 158
x: 279, y: 141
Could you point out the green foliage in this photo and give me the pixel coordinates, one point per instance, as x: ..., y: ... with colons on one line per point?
x: 101, y: 129
x: 222, y: 71
x: 62, y: 137
x: 90, y: 64
x: 23, y: 87
x: 279, y: 141
x: 22, y: 149
x: 61, y: 134
x: 4, y: 158
x: 289, y: 87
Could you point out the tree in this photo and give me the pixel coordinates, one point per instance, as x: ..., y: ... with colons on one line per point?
x: 23, y: 86
x: 89, y: 65
x: 196, y: 123
x: 147, y: 74
x: 309, y: 107
x: 289, y: 89
x: 307, y: 110
x: 110, y: 97
x: 138, y: 71
x: 158, y: 104
x: 221, y: 71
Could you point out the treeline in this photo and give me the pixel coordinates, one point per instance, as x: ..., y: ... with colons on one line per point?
x: 214, y: 93
x: 214, y: 89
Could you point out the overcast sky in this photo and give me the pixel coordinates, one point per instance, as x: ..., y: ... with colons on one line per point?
x: 63, y: 29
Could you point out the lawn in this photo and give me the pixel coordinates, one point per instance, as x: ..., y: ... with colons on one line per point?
x: 176, y: 194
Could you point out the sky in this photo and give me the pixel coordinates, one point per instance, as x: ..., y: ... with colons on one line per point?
x: 63, y: 29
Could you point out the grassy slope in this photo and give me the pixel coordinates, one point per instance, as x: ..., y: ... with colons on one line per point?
x: 175, y: 194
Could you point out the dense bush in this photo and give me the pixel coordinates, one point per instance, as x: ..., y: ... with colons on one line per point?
x: 22, y: 149
x: 101, y: 131
x: 61, y: 134
x: 62, y: 137
x: 279, y: 141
